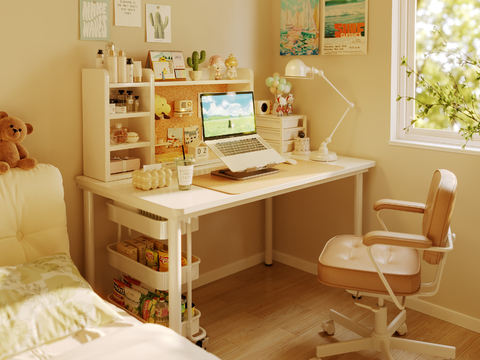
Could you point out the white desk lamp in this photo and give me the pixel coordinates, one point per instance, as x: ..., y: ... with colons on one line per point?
x: 297, y: 69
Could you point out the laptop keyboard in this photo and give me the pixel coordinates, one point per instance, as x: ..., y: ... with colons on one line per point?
x: 242, y: 146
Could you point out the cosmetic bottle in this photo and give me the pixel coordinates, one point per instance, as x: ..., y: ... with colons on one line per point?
x: 137, y: 71
x: 118, y: 135
x: 111, y: 62
x: 122, y: 66
x: 121, y: 107
x: 130, y: 101
x: 100, y: 60
x: 130, y: 70
x: 137, y: 103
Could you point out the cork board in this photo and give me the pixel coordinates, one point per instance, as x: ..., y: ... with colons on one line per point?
x: 287, y: 173
x: 172, y: 93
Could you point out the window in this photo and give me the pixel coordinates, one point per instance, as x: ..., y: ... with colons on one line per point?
x: 412, y: 25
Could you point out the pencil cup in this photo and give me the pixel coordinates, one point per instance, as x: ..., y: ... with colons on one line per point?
x: 185, y: 171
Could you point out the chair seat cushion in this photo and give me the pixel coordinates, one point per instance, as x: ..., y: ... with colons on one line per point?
x: 344, y: 263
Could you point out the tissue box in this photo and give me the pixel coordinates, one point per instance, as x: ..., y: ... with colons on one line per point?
x: 118, y: 165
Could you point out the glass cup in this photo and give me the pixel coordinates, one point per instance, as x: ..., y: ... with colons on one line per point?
x: 185, y: 171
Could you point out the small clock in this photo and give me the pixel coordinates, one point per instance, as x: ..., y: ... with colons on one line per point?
x: 199, y: 150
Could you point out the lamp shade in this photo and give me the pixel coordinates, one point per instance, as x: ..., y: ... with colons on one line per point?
x: 296, y: 68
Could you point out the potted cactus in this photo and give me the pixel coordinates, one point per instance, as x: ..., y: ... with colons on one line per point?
x: 193, y: 62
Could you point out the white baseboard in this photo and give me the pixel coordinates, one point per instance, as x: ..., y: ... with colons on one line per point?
x: 439, y: 312
x: 229, y: 269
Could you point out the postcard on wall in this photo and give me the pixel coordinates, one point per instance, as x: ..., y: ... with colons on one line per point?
x: 128, y: 13
x: 94, y: 20
x: 158, y: 23
x: 191, y: 134
x: 175, y: 137
x: 344, y: 27
x: 299, y: 27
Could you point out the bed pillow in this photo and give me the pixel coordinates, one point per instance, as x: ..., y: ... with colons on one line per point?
x: 46, y: 300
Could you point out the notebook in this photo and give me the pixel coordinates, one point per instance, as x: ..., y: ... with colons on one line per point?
x: 229, y: 130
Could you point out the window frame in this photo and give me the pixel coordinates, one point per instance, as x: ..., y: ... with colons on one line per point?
x: 401, y: 112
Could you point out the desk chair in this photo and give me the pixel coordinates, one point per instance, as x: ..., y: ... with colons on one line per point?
x: 387, y: 265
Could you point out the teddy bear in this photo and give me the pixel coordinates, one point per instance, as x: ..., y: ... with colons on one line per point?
x: 12, y: 154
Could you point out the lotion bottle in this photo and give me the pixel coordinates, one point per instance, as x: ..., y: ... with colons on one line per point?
x: 130, y: 70
x: 100, y: 60
x: 111, y: 61
x: 122, y: 66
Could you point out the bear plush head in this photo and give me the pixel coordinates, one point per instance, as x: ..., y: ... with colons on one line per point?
x: 12, y: 154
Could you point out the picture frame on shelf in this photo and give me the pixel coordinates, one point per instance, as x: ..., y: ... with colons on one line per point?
x: 167, y: 65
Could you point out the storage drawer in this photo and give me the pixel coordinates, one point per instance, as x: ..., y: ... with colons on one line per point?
x: 286, y: 147
x: 195, y: 325
x: 276, y: 122
x: 156, y: 279
x: 288, y: 134
x: 131, y: 218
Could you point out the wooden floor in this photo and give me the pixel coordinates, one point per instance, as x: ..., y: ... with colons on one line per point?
x: 276, y: 313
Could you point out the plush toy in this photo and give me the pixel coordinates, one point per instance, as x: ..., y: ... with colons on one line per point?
x: 12, y: 154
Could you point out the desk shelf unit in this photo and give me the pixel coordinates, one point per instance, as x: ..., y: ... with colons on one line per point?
x: 281, y: 131
x: 97, y: 120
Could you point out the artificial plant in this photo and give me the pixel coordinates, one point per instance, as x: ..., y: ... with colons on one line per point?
x: 457, y: 99
x: 159, y: 32
x: 196, y: 59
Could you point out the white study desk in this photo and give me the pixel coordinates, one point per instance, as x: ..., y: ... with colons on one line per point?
x: 180, y: 206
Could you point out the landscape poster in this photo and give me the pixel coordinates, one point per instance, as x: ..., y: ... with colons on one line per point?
x: 299, y: 27
x: 344, y: 27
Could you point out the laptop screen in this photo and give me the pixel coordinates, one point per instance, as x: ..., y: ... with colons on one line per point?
x: 227, y: 114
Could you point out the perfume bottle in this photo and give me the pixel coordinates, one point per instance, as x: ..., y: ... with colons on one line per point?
x: 121, y: 103
x: 130, y: 101
x: 137, y: 103
x: 118, y: 135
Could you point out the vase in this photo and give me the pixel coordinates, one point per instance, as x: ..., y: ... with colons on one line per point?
x: 195, y: 75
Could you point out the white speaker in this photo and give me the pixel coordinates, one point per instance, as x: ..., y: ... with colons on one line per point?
x: 263, y: 107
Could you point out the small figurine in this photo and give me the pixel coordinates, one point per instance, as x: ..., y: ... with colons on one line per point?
x: 231, y: 64
x: 289, y: 106
x: 217, y: 63
x: 280, y: 105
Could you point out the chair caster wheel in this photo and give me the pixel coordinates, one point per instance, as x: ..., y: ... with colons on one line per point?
x: 402, y: 330
x: 203, y: 343
x: 329, y: 327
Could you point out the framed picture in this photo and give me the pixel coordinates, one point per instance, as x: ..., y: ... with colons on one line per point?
x: 167, y: 65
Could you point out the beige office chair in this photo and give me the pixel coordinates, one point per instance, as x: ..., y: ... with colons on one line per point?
x: 387, y: 265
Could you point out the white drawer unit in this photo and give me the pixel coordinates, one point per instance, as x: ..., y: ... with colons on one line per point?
x: 281, y: 131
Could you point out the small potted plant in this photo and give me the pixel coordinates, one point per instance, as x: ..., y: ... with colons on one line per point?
x: 193, y: 62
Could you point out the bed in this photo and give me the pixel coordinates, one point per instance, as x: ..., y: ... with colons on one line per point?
x: 47, y: 309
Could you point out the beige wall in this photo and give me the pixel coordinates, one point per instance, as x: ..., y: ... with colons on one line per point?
x: 42, y: 58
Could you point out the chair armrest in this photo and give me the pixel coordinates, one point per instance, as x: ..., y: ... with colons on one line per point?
x: 400, y: 205
x: 397, y: 239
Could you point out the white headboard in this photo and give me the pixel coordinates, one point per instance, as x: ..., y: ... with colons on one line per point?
x: 33, y: 220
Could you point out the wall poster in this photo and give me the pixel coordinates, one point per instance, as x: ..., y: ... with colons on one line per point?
x: 299, y: 27
x: 344, y: 27
x: 128, y: 13
x: 94, y: 20
x: 158, y: 23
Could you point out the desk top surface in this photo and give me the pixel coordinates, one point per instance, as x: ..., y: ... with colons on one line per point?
x: 171, y: 202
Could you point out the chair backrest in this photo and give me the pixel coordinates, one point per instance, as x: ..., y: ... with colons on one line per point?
x: 33, y: 221
x: 438, y: 212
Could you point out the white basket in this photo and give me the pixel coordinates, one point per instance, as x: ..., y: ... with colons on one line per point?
x: 132, y: 219
x: 156, y: 279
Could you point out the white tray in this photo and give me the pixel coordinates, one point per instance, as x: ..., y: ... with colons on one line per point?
x: 156, y: 279
x: 131, y: 218
x: 195, y: 325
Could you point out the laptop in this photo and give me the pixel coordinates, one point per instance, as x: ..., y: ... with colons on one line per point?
x: 229, y: 130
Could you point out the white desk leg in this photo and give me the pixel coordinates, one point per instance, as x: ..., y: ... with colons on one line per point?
x: 269, y: 231
x: 88, y: 229
x: 357, y: 205
x: 175, y: 274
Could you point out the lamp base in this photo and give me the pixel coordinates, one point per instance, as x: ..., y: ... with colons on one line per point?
x: 322, y: 156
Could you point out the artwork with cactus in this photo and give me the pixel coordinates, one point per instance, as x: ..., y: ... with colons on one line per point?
x: 196, y: 59
x: 158, y: 24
